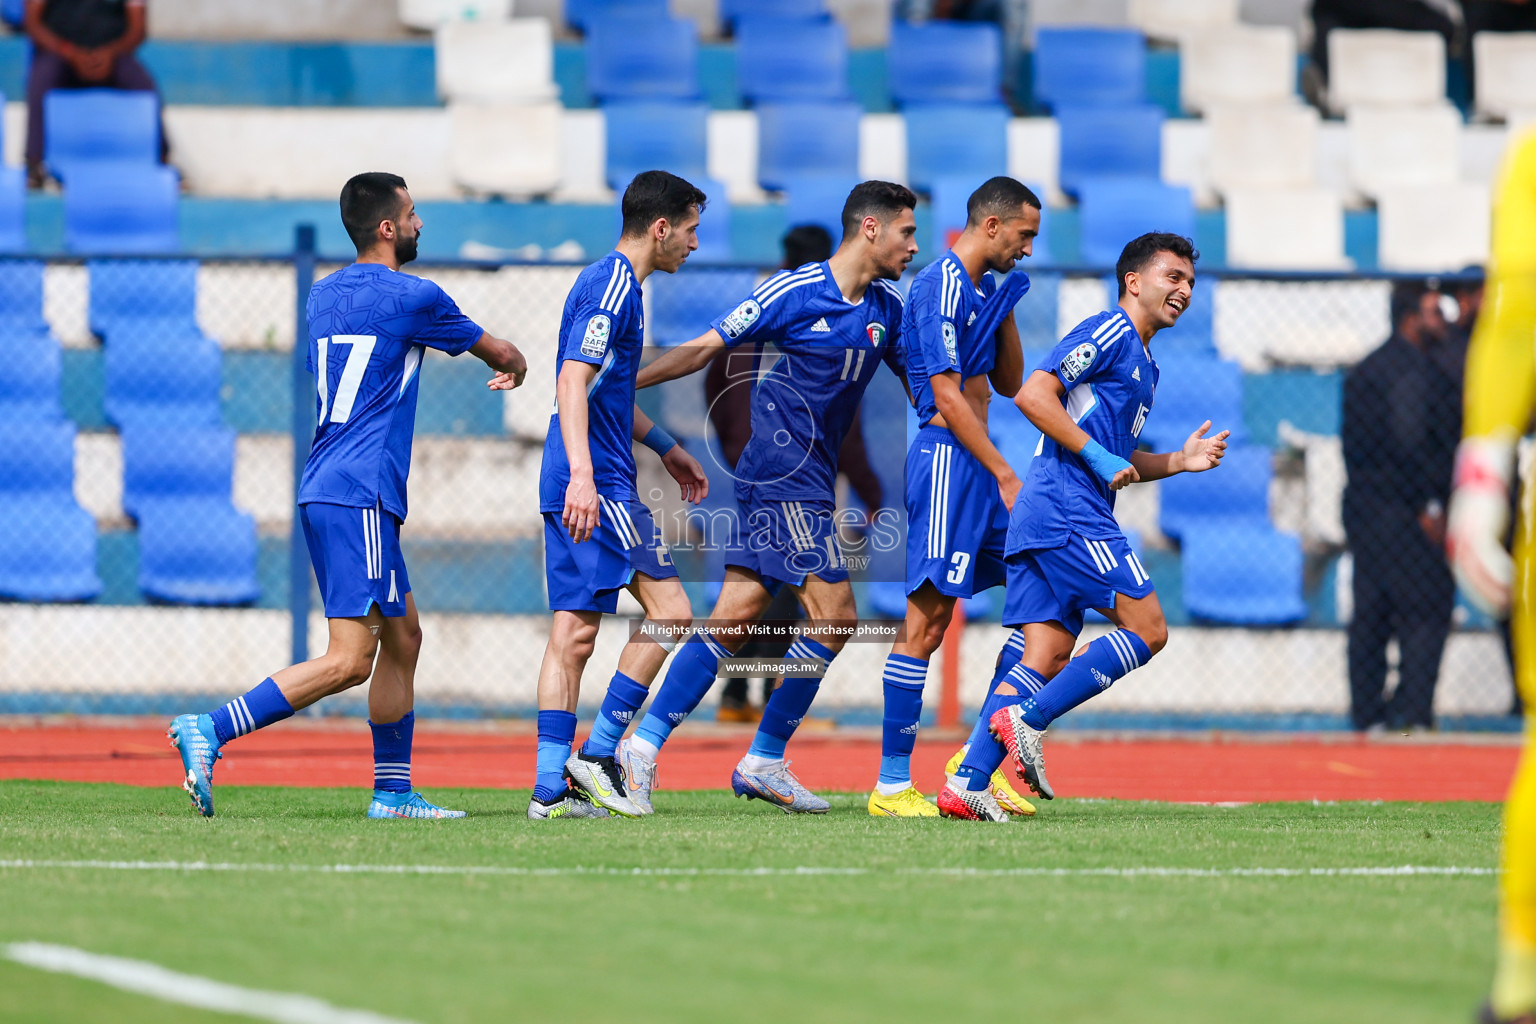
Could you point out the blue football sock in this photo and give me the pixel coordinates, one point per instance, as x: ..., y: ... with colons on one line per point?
x: 1095, y: 670
x: 1007, y: 658
x: 258, y: 708
x: 557, y: 731
x: 392, y: 754
x: 789, y: 703
x: 619, y: 706
x: 903, y: 686
x: 986, y: 753
x: 688, y: 679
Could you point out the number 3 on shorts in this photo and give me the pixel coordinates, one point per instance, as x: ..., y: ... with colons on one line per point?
x: 958, y: 563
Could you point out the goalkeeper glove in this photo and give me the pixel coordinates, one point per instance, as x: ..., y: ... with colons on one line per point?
x: 1479, y: 518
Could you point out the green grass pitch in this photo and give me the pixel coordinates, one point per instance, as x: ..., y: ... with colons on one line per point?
x: 892, y: 942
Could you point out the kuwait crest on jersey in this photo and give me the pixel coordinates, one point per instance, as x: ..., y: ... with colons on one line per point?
x: 1076, y: 363
x: 595, y: 342
x: 876, y: 333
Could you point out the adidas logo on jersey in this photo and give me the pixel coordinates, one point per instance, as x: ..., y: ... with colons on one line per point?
x: 821, y: 327
x: 1136, y: 374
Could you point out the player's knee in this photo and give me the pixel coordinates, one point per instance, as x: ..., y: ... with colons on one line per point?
x: 1154, y: 635
x: 933, y: 633
x: 676, y: 612
x: 353, y: 670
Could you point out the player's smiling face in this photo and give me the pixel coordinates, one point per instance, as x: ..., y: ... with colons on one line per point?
x: 1163, y: 288
x: 1015, y: 239
x: 896, y: 244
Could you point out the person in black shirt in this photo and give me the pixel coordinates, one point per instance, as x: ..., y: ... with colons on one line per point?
x: 80, y: 44
x: 1402, y: 420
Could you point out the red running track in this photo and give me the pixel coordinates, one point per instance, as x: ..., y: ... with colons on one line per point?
x: 1204, y: 769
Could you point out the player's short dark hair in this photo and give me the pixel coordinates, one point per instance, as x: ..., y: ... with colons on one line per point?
x: 999, y: 197
x: 882, y: 200
x: 806, y: 243
x: 1138, y: 252
x: 654, y: 195
x: 367, y: 199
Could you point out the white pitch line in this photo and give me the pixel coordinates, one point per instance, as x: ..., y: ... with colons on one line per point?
x: 1385, y: 871
x: 188, y: 989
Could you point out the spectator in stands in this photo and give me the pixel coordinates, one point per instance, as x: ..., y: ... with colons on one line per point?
x: 1441, y: 16
x: 1402, y: 419
x: 80, y: 44
x: 732, y: 420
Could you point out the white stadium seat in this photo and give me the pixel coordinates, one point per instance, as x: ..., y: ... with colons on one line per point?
x: 1384, y: 66
x: 1506, y: 72
x: 732, y: 157
x: 1434, y: 229
x: 505, y: 149
x: 1237, y: 64
x: 1034, y: 155
x: 883, y: 147
x: 1077, y: 12
x: 496, y: 62
x: 1171, y: 20
x: 1263, y: 146
x: 1391, y: 146
x: 583, y: 158
x: 1285, y: 229
x: 867, y: 22
x: 428, y: 14
x: 307, y: 152
x: 1187, y: 158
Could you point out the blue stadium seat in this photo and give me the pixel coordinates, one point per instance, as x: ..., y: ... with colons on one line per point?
x: 656, y: 136
x: 48, y: 546
x: 953, y: 139
x: 197, y: 551
x: 162, y: 373
x: 1244, y: 575
x: 118, y: 207
x: 806, y: 138
x: 779, y: 59
x: 818, y: 199
x: 21, y: 296
x: 1235, y: 493
x: 583, y: 13
x: 714, y: 232
x: 90, y: 125
x: 1036, y: 315
x: 804, y: 10
x: 13, y: 209
x: 945, y: 62
x: 1104, y: 142
x: 1113, y: 211
x: 1193, y: 388
x: 31, y: 368
x: 643, y: 59
x: 129, y: 290
x: 176, y: 462
x: 1089, y: 65
x: 683, y: 304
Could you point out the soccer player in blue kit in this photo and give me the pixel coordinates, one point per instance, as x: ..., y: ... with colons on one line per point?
x: 957, y: 335
x: 599, y: 537
x: 369, y: 328
x: 832, y: 324
x: 1065, y: 551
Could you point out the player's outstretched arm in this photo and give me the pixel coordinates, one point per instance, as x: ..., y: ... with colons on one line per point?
x: 581, y: 505
x: 689, y: 357
x: 1007, y: 374
x: 684, y: 468
x: 1199, y: 454
x: 961, y: 420
x: 1040, y: 400
x: 503, y: 357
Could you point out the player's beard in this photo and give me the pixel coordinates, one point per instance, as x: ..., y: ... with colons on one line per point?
x: 405, y: 248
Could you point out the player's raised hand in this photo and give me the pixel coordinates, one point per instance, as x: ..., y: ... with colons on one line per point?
x: 581, y: 507
x: 1202, y: 453
x: 685, y: 469
x: 1124, y: 478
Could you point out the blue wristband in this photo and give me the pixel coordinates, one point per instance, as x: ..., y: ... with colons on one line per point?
x: 1102, y: 461
x: 658, y: 440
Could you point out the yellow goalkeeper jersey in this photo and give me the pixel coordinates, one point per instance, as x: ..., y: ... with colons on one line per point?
x: 1501, y: 363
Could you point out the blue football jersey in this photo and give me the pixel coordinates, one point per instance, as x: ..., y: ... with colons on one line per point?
x: 828, y: 351
x: 935, y: 329
x: 1110, y: 380
x: 604, y: 325
x: 369, y: 327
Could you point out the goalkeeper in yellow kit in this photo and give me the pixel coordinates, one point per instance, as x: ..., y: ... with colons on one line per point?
x: 1500, y: 400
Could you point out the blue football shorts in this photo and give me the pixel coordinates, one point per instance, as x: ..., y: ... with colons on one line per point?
x: 357, y: 559
x: 957, y: 524
x: 786, y: 541
x: 587, y: 577
x: 1060, y: 584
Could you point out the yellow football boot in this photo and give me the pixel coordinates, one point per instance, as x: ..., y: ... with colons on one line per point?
x: 909, y: 803
x: 1007, y: 798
